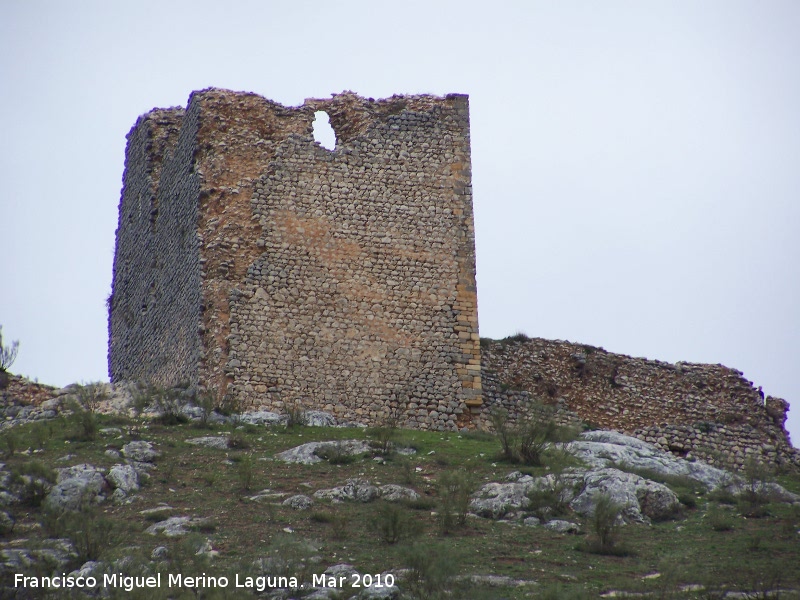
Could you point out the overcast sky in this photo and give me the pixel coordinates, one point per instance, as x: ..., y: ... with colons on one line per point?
x: 636, y: 165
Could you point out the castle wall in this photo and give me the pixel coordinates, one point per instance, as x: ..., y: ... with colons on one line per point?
x: 237, y: 138
x: 342, y: 280
x: 363, y: 299
x: 154, y: 309
x: 707, y: 411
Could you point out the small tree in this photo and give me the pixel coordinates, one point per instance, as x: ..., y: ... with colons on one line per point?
x: 8, y: 354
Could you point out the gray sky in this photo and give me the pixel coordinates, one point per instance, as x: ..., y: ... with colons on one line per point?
x: 635, y: 164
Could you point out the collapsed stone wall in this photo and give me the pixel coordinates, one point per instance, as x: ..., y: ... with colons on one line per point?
x: 279, y: 272
x: 20, y: 391
x: 707, y: 411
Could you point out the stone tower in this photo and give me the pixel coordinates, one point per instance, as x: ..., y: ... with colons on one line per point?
x: 252, y: 261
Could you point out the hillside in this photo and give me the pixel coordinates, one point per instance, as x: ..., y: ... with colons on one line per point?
x: 209, y: 497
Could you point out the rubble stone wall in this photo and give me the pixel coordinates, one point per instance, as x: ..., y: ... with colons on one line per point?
x: 280, y: 272
x: 707, y: 411
x: 19, y: 391
x: 154, y: 309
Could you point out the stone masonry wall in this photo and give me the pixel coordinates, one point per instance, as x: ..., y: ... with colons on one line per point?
x: 155, y: 303
x: 280, y: 272
x: 707, y: 411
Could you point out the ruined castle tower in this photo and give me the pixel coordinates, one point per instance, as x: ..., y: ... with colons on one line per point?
x: 252, y: 261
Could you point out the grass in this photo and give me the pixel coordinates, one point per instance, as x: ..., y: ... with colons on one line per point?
x: 213, y: 483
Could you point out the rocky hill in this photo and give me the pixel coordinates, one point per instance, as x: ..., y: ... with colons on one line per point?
x: 185, y: 501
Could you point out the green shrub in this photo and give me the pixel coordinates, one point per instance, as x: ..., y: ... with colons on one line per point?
x: 340, y: 526
x: 321, y: 517
x: 392, y: 523
x: 90, y: 396
x: 605, y: 525
x: 207, y: 403
x: 756, y: 492
x: 335, y: 454
x: 41, y: 433
x: 720, y: 520
x: 33, y: 481
x: 752, y: 505
x: 454, y: 489
x: 789, y: 521
x: 205, y: 526
x: 722, y: 495
x: 249, y: 428
x: 384, y: 435
x: 87, y: 398
x: 526, y: 442
x: 559, y: 456
x: 245, y: 472
x: 229, y: 405
x: 33, y: 468
x: 339, y: 522
x: 10, y: 442
x: 295, y: 415
x: 210, y: 477
x: 407, y: 468
x: 432, y: 571
x: 478, y: 436
x: 238, y: 441
x: 552, y: 498
x: 167, y: 402
x: 518, y: 337
x: 687, y: 498
x: 82, y: 425
x: 421, y: 503
x: 154, y: 517
x: 8, y: 354
x: 754, y: 542
x: 705, y: 426
x: 290, y: 557
x: 91, y: 532
x: 7, y: 523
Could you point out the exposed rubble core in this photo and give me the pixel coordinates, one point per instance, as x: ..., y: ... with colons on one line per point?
x: 696, y: 410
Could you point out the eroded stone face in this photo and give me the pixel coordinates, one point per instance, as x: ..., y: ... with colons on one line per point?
x: 253, y: 261
x: 692, y: 410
